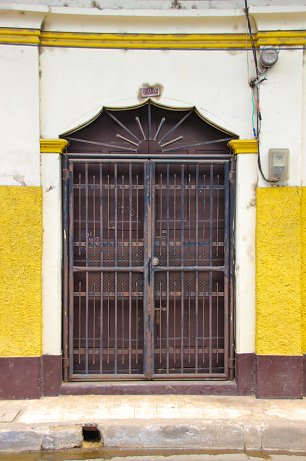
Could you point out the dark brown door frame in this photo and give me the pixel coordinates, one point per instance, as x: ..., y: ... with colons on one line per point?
x: 148, y: 269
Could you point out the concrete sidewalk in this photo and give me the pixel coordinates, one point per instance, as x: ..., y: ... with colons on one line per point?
x: 162, y: 422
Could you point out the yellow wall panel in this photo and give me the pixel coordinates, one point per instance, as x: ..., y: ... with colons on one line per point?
x: 20, y: 271
x: 278, y: 271
x: 303, y: 242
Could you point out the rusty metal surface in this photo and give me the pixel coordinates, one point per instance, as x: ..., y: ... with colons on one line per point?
x: 147, y: 255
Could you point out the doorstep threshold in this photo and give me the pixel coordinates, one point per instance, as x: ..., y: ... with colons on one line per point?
x: 149, y: 387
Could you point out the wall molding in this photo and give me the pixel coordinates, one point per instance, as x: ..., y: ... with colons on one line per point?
x: 244, y: 146
x: 16, y: 36
x: 53, y: 146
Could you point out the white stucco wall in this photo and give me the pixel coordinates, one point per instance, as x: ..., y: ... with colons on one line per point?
x: 44, y: 93
x: 51, y: 174
x: 19, y: 116
x: 281, y: 107
x: 303, y: 153
x: 89, y: 79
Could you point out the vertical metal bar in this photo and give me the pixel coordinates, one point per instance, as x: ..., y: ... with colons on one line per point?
x: 80, y: 216
x: 86, y: 212
x: 101, y: 322
x: 189, y: 212
x: 94, y: 214
x: 122, y: 215
x: 231, y: 267
x: 137, y: 218
x: 226, y: 266
x: 204, y: 212
x: 174, y: 324
x: 130, y: 264
x: 197, y: 263
x: 168, y: 326
x: 116, y: 211
x: 66, y: 239
x: 182, y: 321
x: 108, y: 322
x: 108, y: 214
x: 182, y: 263
x: 71, y: 263
x: 116, y: 325
x: 217, y: 323
x: 168, y: 263
x: 122, y: 325
x: 168, y: 211
x: 148, y: 315
x: 211, y: 198
x: 94, y: 326
x: 86, y: 322
x: 174, y: 214
x: 203, y: 323
x: 160, y: 322
x: 160, y: 213
x: 189, y: 321
x: 94, y: 256
x: 137, y: 325
x: 116, y: 264
x: 210, y: 321
x: 101, y: 262
x: 217, y: 212
x: 149, y: 120
x: 80, y: 320
x: 210, y: 261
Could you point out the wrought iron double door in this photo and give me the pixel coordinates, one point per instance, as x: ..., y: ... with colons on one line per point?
x: 148, y: 269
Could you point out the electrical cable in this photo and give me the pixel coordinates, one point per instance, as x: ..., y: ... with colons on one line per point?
x: 254, y: 84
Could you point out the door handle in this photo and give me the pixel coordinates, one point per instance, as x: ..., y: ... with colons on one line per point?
x: 155, y: 261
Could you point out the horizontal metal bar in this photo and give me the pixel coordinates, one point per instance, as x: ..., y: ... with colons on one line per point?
x: 109, y: 377
x: 193, y: 376
x: 189, y: 268
x: 107, y: 269
x: 83, y: 157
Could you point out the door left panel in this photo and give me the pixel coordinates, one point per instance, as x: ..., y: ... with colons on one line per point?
x: 106, y: 269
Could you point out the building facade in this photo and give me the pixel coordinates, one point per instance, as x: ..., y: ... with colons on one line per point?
x: 145, y: 244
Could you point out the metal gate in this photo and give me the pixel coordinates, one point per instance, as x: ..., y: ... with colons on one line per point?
x: 149, y: 269
x: 148, y: 262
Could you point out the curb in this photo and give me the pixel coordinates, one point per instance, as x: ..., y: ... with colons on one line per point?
x: 285, y: 436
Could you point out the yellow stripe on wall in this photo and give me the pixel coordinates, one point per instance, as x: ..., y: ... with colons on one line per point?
x: 20, y: 271
x: 204, y: 41
x: 278, y: 271
x: 303, y: 268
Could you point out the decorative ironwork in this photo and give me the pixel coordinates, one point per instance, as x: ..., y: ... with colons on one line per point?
x: 147, y: 277
x: 154, y: 133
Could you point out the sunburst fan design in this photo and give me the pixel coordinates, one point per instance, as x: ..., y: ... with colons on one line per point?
x: 160, y: 140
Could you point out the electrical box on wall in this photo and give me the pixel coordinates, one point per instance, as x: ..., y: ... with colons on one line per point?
x: 278, y: 164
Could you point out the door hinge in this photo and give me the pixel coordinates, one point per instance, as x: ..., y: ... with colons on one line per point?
x: 232, y: 175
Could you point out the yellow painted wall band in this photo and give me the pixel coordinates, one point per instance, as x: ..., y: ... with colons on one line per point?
x: 303, y: 266
x: 150, y: 41
x: 145, y: 41
x: 278, y: 271
x: 14, y: 36
x: 244, y: 146
x: 20, y: 271
x: 53, y: 146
